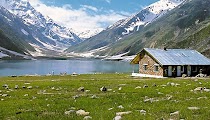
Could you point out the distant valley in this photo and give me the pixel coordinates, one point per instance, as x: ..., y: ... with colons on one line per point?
x: 166, y: 23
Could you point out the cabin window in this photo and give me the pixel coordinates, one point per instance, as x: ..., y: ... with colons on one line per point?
x: 145, y: 66
x: 156, y: 67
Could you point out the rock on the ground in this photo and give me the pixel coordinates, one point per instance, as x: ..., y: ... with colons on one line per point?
x: 123, y: 113
x: 87, y: 118
x: 82, y: 89
x: 69, y: 112
x: 82, y: 113
x: 143, y: 112
x: 117, y: 118
x: 193, y: 108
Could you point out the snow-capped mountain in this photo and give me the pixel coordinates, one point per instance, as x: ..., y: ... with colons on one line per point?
x: 126, y: 27
x: 89, y: 33
x: 45, y: 33
x: 146, y: 16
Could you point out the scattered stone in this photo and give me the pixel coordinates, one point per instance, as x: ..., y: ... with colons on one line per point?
x: 82, y: 113
x: 143, y: 112
x: 26, y: 95
x: 4, y: 95
x: 201, y: 75
x: 138, y: 87
x: 103, y: 89
x: 145, y: 86
x: 82, y: 89
x: 18, y: 112
x: 123, y: 113
x: 110, y: 108
x: 24, y: 87
x: 198, y: 89
x: 184, y: 75
x: 76, y: 96
x: 160, y: 93
x: 73, y: 108
x: 154, y: 85
x: 122, y: 84
x: 87, y: 90
x: 174, y: 113
x: 69, y: 112
x: 163, y: 85
x: 87, y: 118
x: 27, y: 83
x: 5, y: 85
x: 57, y: 89
x: 121, y: 107
x: 202, y: 98
x: 206, y: 90
x: 193, y: 108
x: 109, y: 90
x: 94, y: 97
x: 120, y: 88
x: 33, y: 97
x: 147, y: 99
x: 168, y: 97
x: 0, y: 91
x: 16, y: 86
x: 29, y: 87
x: 117, y: 118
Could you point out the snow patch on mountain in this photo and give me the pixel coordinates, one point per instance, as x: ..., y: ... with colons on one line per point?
x: 24, y: 32
x: 146, y: 16
x: 89, y: 33
x: 7, y: 53
x: 3, y: 55
x: 151, y: 13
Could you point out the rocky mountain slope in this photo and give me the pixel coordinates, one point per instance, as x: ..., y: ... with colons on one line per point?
x: 129, y: 26
x: 42, y: 33
x: 187, y: 26
x: 12, y: 40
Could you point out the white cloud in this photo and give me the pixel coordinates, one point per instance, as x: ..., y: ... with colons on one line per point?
x: 78, y: 19
x: 89, y: 7
x: 109, y: 1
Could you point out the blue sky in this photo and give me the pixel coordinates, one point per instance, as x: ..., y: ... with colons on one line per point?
x: 89, y: 15
x: 116, y: 5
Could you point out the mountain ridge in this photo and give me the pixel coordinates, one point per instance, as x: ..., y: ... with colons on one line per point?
x: 127, y: 27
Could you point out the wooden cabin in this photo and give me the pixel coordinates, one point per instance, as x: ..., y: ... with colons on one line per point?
x: 171, y: 62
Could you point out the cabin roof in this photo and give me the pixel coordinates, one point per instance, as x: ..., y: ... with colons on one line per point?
x: 174, y: 57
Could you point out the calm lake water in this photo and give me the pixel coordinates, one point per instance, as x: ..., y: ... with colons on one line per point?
x: 43, y: 67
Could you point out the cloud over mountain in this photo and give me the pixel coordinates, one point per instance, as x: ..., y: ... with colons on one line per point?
x: 85, y: 18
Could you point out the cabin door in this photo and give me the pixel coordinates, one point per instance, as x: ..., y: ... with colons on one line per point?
x: 169, y: 71
x: 189, y: 70
x: 178, y: 71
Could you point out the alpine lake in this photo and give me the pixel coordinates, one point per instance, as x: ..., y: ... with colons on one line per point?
x: 57, y: 67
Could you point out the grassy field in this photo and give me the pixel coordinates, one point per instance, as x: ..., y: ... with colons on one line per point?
x: 57, y: 97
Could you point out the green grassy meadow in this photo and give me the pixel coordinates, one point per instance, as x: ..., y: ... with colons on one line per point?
x: 57, y: 97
